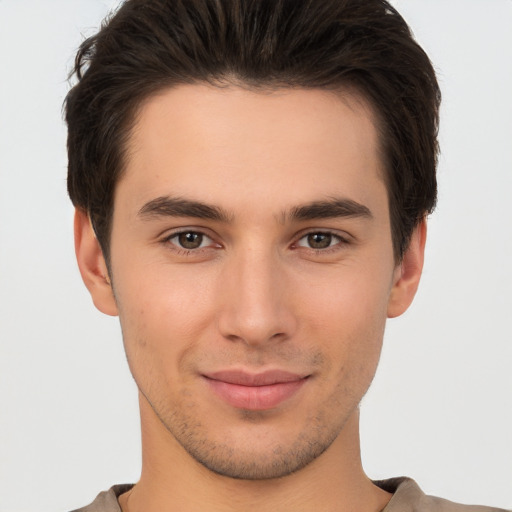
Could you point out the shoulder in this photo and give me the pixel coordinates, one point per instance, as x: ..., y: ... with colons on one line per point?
x: 107, y: 501
x: 408, y: 497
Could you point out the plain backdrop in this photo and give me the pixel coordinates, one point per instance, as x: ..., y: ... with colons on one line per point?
x: 440, y: 408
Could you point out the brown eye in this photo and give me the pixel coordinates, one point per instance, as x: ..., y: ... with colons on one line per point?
x: 190, y: 240
x: 319, y: 240
x: 190, y: 243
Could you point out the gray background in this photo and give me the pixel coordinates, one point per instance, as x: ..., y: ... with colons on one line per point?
x: 440, y: 409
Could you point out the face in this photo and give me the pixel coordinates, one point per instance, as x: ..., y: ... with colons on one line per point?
x: 252, y: 269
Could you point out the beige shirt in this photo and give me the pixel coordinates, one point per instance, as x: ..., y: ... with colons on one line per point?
x: 407, y: 497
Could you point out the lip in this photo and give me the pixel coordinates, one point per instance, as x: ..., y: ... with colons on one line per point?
x: 255, y: 391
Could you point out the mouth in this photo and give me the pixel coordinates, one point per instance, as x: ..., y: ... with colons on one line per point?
x: 256, y: 392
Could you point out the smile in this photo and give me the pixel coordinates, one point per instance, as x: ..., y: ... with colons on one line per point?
x: 256, y: 392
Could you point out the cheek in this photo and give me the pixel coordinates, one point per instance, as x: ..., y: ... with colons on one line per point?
x: 162, y: 320
x: 156, y: 298
x: 346, y: 299
x: 347, y: 316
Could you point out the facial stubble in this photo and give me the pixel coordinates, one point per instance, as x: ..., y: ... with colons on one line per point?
x: 250, y: 462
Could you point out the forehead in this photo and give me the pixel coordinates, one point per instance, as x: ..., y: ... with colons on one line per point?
x: 217, y: 144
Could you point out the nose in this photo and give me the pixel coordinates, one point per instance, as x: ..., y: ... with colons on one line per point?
x: 255, y: 305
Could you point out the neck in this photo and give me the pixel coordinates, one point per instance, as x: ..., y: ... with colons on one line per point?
x: 172, y: 480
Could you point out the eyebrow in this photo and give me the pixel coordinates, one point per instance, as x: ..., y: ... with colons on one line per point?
x: 178, y: 207
x: 329, y: 209
x: 166, y: 206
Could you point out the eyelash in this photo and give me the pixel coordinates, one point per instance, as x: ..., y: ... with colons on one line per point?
x: 182, y: 251
x: 340, y: 241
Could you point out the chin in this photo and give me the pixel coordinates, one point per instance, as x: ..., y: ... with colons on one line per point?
x: 256, y: 452
x: 255, y: 466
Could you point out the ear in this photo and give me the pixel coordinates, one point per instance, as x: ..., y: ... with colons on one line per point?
x: 92, y: 265
x: 407, y: 274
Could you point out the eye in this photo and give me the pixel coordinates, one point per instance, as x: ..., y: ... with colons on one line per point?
x: 319, y: 240
x: 190, y: 240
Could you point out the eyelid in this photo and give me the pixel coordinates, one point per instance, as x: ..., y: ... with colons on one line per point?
x: 343, y: 239
x: 325, y: 231
x: 167, y: 236
x: 205, y: 239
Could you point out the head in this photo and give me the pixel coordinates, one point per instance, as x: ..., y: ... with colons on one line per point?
x: 337, y: 45
x: 256, y: 176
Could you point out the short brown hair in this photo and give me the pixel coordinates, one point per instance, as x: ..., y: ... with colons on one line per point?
x: 149, y: 45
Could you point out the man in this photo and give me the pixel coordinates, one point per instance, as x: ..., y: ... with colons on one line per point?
x: 251, y: 182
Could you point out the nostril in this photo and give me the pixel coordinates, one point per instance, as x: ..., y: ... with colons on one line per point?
x: 254, y: 339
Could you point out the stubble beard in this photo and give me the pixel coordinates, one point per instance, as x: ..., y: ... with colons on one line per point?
x: 251, y: 462
x: 264, y: 447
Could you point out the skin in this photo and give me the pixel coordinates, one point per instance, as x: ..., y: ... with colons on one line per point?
x: 259, y: 287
